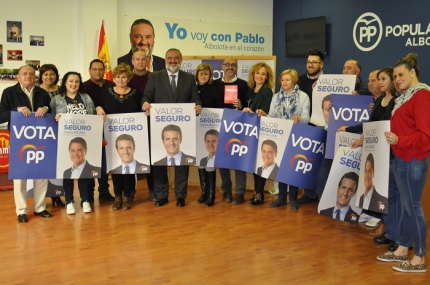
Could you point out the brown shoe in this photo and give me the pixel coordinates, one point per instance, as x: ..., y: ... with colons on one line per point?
x: 117, y: 205
x: 238, y: 199
x: 379, y: 231
x: 226, y: 197
x: 126, y: 205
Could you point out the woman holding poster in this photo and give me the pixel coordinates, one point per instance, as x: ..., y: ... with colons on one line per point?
x: 72, y: 100
x: 260, y: 82
x: 211, y: 97
x: 291, y: 104
x: 117, y: 100
x: 410, y: 141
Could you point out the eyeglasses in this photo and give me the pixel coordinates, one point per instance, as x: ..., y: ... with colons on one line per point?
x: 98, y: 69
x: 313, y: 62
x: 230, y: 64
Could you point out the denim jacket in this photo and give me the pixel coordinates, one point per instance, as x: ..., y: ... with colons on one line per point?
x: 59, y: 104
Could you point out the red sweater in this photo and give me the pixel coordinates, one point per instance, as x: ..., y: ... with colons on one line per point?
x: 411, y: 123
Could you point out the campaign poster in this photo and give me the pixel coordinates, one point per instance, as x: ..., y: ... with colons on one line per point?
x: 33, y: 146
x: 373, y: 189
x: 208, y: 127
x: 302, y: 157
x: 340, y: 192
x: 345, y: 139
x: 326, y: 85
x: 173, y: 134
x: 346, y: 111
x: 79, y: 146
x: 127, y: 149
x: 55, y: 188
x: 272, y: 139
x: 238, y: 140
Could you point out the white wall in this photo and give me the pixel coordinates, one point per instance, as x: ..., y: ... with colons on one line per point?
x: 71, y: 27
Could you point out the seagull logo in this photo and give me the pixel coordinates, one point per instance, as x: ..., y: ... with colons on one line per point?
x: 27, y: 146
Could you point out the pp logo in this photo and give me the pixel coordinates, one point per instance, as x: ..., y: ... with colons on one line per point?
x: 57, y: 192
x: 143, y: 168
x: 303, y: 163
x: 32, y: 152
x: 353, y: 217
x: 381, y: 206
x: 94, y: 173
x: 368, y: 29
x: 190, y: 160
x: 238, y: 147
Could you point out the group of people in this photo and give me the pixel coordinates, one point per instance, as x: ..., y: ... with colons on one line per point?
x: 141, y: 79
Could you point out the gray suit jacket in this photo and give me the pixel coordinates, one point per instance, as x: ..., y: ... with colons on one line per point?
x: 158, y: 89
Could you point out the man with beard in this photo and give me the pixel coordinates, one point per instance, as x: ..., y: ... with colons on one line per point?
x: 142, y: 38
x: 229, y: 68
x: 171, y: 86
x: 314, y: 68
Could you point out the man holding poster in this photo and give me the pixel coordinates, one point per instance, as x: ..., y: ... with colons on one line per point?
x: 171, y: 86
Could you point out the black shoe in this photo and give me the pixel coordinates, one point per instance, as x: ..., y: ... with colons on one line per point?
x: 394, y: 247
x: 180, y: 202
x: 306, y: 200
x: 57, y: 201
x: 238, y: 199
x: 161, y: 202
x: 106, y: 197
x: 277, y: 203
x: 382, y: 240
x: 22, y: 218
x: 44, y: 214
x: 257, y: 200
x: 152, y: 196
x: 226, y: 197
x: 294, y: 205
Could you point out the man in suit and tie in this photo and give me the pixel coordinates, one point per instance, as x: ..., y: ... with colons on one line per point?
x: 346, y: 190
x: 142, y: 37
x: 125, y: 147
x: 171, y: 86
x: 211, y: 142
x: 269, y: 150
x: 371, y: 199
x: 81, y: 168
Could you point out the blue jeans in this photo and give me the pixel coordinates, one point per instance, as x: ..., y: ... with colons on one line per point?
x: 85, y: 189
x: 321, y: 180
x: 410, y: 178
x: 293, y: 193
x: 392, y: 219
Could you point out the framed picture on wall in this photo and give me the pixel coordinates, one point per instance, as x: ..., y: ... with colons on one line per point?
x: 37, y: 41
x: 33, y: 63
x: 14, y: 55
x: 14, y: 31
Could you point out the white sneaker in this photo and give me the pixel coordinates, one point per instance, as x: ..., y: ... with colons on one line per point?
x: 364, y: 218
x: 71, y: 209
x: 373, y: 222
x: 87, y: 207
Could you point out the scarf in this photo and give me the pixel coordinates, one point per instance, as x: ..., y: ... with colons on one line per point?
x: 407, y: 95
x: 286, y: 103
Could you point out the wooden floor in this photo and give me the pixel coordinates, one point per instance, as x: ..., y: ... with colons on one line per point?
x: 223, y: 244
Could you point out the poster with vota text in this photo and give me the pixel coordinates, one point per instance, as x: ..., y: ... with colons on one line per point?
x: 372, y: 190
x: 79, y: 146
x: 173, y: 134
x: 303, y: 155
x: 340, y: 192
x: 272, y: 139
x: 346, y: 111
x: 326, y: 85
x: 345, y: 139
x: 127, y: 151
x: 238, y: 140
x: 33, y: 146
x: 208, y: 127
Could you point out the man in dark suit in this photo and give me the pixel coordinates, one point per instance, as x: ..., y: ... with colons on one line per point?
x: 81, y: 168
x: 371, y: 199
x: 171, y: 86
x: 125, y: 147
x: 211, y: 142
x: 25, y: 97
x: 142, y: 38
x: 269, y: 150
x: 342, y: 210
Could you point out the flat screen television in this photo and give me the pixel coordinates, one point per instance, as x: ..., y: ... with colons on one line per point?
x: 305, y: 34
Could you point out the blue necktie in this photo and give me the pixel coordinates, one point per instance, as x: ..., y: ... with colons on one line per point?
x: 337, y: 214
x: 173, y: 84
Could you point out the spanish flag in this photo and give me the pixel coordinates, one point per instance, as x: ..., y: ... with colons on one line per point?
x: 104, y: 53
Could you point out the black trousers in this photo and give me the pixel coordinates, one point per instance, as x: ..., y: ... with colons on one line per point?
x: 123, y: 183
x: 161, y: 181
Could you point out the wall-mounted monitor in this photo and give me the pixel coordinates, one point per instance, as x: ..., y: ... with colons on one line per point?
x: 305, y: 34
